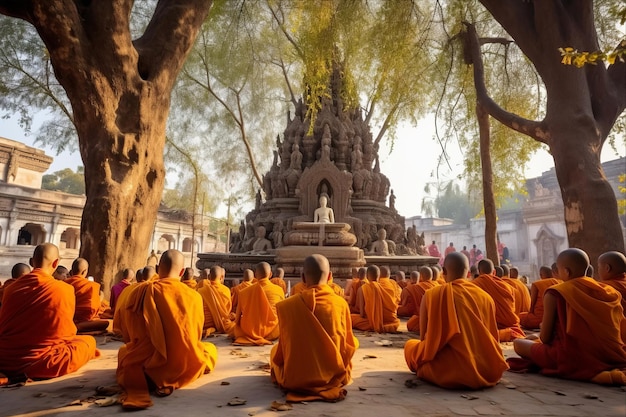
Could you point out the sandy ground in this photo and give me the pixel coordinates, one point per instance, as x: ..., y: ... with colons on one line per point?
x: 379, y: 389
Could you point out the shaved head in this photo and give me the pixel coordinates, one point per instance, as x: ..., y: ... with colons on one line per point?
x: 80, y: 266
x: 415, y: 276
x: 455, y: 266
x: 513, y: 272
x: 172, y: 264
x: 385, y: 272
x: 572, y: 263
x: 216, y: 272
x: 128, y: 274
x: 187, y: 275
x: 400, y: 276
x: 426, y: 274
x: 611, y: 265
x: 45, y: 256
x: 485, y: 266
x: 362, y: 273
x: 545, y: 272
x: 316, y: 270
x: 248, y: 275
x: 148, y: 272
x: 505, y: 270
x: 280, y: 273
x: 19, y: 270
x: 262, y: 270
x: 204, y: 274
x: 499, y: 271
x: 373, y: 273
x: 61, y: 273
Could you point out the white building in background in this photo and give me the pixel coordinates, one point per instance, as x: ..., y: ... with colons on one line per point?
x: 534, y: 234
x: 30, y: 216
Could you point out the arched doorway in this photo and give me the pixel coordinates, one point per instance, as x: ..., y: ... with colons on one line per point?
x: 166, y: 242
x: 70, y: 238
x: 31, y: 234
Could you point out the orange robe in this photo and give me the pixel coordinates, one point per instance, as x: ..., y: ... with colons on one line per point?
x: 297, y: 289
x: 191, y: 283
x: 504, y: 298
x: 587, y: 343
x: 337, y: 289
x: 256, y: 322
x: 392, y: 287
x: 37, y: 332
x: 522, y: 295
x: 281, y: 283
x: 356, y: 284
x: 440, y: 281
x: 312, y: 359
x: 3, y: 287
x: 619, y: 284
x: 380, y: 310
x: 413, y: 324
x: 460, y: 348
x: 234, y: 294
x: 161, y: 324
x: 532, y: 319
x: 217, y: 307
x: 87, y: 298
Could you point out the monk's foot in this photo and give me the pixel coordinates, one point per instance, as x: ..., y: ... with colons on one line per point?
x: 164, y: 391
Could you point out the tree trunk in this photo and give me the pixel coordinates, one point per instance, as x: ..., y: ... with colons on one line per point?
x: 120, y: 93
x: 489, y: 201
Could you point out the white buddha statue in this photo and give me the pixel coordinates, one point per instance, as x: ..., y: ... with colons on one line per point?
x: 324, y: 214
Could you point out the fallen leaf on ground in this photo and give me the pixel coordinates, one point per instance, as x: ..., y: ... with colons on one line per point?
x: 362, y: 389
x: 278, y: 406
x: 469, y: 396
x: 107, y: 401
x: 225, y: 383
x: 383, y: 343
x: 370, y: 357
x: 510, y: 386
x: 237, y: 401
x: 109, y: 390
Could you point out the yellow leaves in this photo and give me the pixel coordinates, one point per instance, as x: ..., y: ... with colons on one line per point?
x: 572, y: 56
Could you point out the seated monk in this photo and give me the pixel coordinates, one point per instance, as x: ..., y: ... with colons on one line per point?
x: 256, y: 322
x: 582, y: 331
x: 248, y: 276
x: 126, y: 279
x: 87, y: 295
x: 406, y: 308
x: 361, y: 279
x: 61, y: 273
x: 161, y: 325
x: 401, y: 279
x: 312, y: 359
x: 279, y: 279
x: 348, y: 289
x: 438, y: 275
x: 149, y: 273
x: 38, y: 335
x: 459, y: 346
x: 337, y: 289
x: 389, y: 284
x: 504, y: 298
x: 203, y: 278
x: 612, y: 271
x: 424, y: 284
x: 18, y: 271
x: 217, y: 303
x: 377, y: 306
x: 522, y: 295
x: 189, y: 279
x: 533, y: 318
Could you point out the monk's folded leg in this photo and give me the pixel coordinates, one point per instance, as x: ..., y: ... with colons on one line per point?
x: 509, y: 334
x: 406, y: 311
x: 361, y: 323
x: 413, y: 324
x: 529, y: 321
x: 92, y: 326
x: 410, y: 354
x: 64, y: 358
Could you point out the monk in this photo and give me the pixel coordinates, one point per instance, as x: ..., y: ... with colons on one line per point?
x: 161, y: 325
x: 203, y: 278
x: 361, y: 280
x: 312, y: 359
x: 533, y: 318
x: 149, y: 273
x: 459, y: 346
x: 389, y: 284
x: 581, y: 334
x: 377, y: 306
x: 522, y: 295
x: 279, y: 279
x: 612, y: 271
x: 18, y: 271
x: 417, y: 292
x: 256, y: 322
x: 297, y: 289
x: 37, y: 331
x: 189, y: 279
x: 400, y: 278
x: 438, y: 275
x: 87, y: 295
x: 61, y: 273
x: 406, y: 308
x: 248, y: 276
x: 504, y: 298
x: 217, y: 304
x: 126, y: 279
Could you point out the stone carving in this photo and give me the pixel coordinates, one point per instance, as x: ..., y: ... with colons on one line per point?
x: 380, y: 247
x: 324, y: 214
x: 261, y: 244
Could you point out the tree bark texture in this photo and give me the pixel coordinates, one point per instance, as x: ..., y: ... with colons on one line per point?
x: 120, y: 93
x: 489, y: 200
x: 581, y: 109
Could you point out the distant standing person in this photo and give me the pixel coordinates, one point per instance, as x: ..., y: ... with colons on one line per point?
x: 450, y: 249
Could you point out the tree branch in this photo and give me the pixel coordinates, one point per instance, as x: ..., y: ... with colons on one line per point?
x: 291, y: 40
x: 534, y: 129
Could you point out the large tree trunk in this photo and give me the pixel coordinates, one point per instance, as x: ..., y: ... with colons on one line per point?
x: 120, y: 94
x: 489, y: 200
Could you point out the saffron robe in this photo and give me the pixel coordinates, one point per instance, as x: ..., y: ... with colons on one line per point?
x: 380, y: 310
x: 217, y: 306
x: 503, y: 297
x: 161, y: 325
x: 413, y: 324
x: 392, y: 287
x: 312, y: 359
x: 356, y: 284
x: 460, y: 348
x: 191, y: 283
x: 522, y: 295
x: 256, y: 322
x: 297, y: 289
x: 234, y: 294
x: 87, y: 295
x: 37, y: 332
x: 618, y: 284
x: 116, y: 290
x: 281, y: 283
x: 588, y: 344
x: 533, y: 318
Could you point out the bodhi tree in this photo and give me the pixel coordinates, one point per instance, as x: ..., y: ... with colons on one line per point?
x: 119, y: 90
x: 582, y: 105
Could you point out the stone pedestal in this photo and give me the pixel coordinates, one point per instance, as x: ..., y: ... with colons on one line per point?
x: 308, y: 234
x: 342, y: 259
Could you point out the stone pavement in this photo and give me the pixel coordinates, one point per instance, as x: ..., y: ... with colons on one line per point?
x: 380, y: 388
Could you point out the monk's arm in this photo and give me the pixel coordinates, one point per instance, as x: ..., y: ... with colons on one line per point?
x: 404, y: 298
x: 549, y: 318
x: 533, y: 298
x: 423, y: 317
